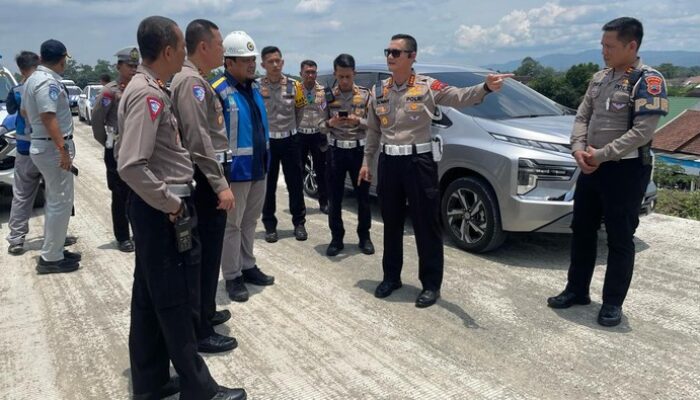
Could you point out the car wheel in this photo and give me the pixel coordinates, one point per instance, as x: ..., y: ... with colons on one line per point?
x: 470, y: 215
x: 310, y: 179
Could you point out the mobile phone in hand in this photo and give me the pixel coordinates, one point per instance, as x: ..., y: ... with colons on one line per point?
x: 343, y: 114
x: 74, y: 170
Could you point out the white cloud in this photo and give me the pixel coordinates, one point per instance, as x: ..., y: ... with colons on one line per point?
x: 313, y: 6
x: 546, y: 25
x: 247, y: 15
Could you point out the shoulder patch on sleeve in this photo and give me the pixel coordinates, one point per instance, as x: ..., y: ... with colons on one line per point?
x: 198, y: 92
x: 650, y: 96
x: 155, y: 106
x: 54, y: 91
x: 438, y: 85
x: 106, y: 98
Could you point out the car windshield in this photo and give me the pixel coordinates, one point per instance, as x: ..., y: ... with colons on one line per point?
x: 94, y: 91
x: 73, y: 91
x: 515, y: 100
x: 6, y: 83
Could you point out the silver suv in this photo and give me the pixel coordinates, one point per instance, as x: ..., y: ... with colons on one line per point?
x: 507, y: 164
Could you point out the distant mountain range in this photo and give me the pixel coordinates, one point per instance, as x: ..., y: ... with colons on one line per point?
x: 563, y: 62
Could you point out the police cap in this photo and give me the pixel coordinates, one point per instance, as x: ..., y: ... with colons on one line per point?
x: 129, y: 55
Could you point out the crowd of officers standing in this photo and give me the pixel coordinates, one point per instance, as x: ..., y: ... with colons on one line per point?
x: 192, y: 167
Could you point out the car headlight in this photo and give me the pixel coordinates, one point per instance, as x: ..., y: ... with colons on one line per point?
x: 535, y: 144
x: 530, y: 172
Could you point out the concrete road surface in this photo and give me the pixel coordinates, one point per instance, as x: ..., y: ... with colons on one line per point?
x: 319, y: 333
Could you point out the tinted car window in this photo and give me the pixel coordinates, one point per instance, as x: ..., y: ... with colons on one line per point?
x: 74, y: 91
x: 515, y: 100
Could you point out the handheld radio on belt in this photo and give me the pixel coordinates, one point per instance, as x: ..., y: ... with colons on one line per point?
x: 183, y: 231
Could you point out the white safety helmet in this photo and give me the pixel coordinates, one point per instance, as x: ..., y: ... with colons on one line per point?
x: 239, y: 44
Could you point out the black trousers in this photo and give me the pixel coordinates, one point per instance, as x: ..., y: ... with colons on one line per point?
x: 165, y: 306
x: 317, y: 145
x: 212, y: 223
x: 413, y: 178
x: 287, y: 152
x: 614, y: 192
x: 120, y: 191
x: 341, y: 162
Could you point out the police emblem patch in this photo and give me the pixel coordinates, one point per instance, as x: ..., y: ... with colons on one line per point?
x: 106, y: 99
x: 198, y: 92
x: 437, y: 85
x: 155, y: 106
x: 653, y: 85
x: 53, y: 92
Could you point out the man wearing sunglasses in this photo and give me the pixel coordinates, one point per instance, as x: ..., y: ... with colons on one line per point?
x: 401, y: 111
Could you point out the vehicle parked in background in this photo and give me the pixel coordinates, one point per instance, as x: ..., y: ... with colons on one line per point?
x: 507, y: 164
x: 87, y: 102
x: 74, y: 93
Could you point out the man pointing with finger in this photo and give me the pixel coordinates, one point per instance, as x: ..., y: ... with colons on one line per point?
x: 401, y: 111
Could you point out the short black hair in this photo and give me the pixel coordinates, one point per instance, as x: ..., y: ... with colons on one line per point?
x: 199, y: 30
x: 105, y: 78
x: 410, y: 41
x: 344, y: 61
x: 627, y: 28
x: 308, y: 63
x: 27, y: 60
x: 269, y: 50
x: 154, y: 34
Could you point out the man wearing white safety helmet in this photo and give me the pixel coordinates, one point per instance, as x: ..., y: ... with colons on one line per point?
x: 248, y: 136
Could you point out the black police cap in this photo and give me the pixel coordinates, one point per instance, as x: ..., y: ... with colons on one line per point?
x: 53, y: 50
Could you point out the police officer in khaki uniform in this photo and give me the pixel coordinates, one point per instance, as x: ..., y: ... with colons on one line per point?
x: 201, y: 122
x: 312, y: 140
x: 105, y: 130
x: 284, y: 101
x: 346, y: 123
x: 401, y: 111
x: 152, y: 161
x: 611, y: 141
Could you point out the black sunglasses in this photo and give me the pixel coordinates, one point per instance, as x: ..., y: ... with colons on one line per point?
x: 396, y: 53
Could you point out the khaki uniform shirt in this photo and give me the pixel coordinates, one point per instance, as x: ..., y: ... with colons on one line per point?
x: 201, y: 121
x: 356, y: 103
x: 44, y: 93
x: 150, y: 155
x: 284, y: 107
x: 315, y: 109
x: 403, y: 114
x: 603, y: 117
x: 104, y: 112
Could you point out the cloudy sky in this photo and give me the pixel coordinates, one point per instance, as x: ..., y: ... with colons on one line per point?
x: 448, y: 31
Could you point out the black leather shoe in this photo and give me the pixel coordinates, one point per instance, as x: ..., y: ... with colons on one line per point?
x: 427, y: 298
x: 324, y: 208
x: 255, y: 276
x: 16, y: 249
x: 72, y: 256
x: 217, y: 343
x: 70, y: 240
x: 236, y: 290
x: 385, y: 288
x: 56, y: 267
x: 126, y: 246
x: 567, y: 299
x: 610, y: 315
x: 170, y: 388
x: 220, y: 317
x: 300, y: 233
x: 225, y: 393
x: 366, y: 246
x: 271, y: 237
x: 334, y: 248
